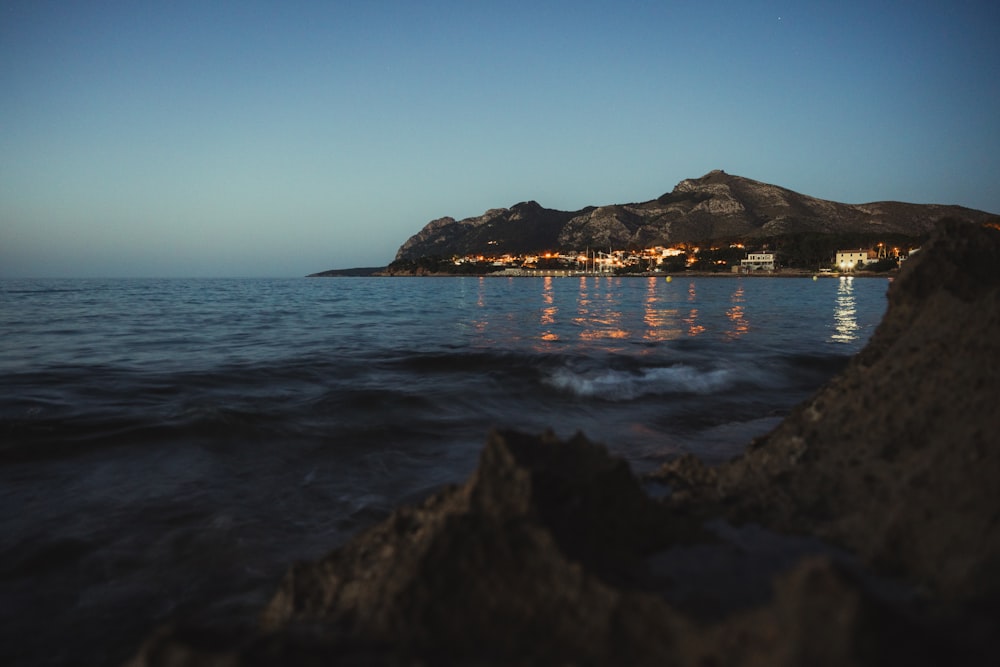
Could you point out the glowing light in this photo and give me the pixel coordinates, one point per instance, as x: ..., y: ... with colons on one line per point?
x: 694, y: 329
x: 737, y: 315
x: 845, y: 320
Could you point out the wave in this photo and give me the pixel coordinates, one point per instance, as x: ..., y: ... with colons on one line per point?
x: 325, y: 400
x: 622, y: 385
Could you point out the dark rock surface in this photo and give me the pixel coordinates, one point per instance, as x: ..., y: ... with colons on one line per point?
x: 717, y: 205
x: 862, y: 531
x: 522, y: 228
x: 897, y: 458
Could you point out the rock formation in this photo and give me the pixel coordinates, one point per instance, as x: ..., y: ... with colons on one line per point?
x: 896, y: 458
x: 523, y: 228
x: 717, y: 205
x: 864, y: 530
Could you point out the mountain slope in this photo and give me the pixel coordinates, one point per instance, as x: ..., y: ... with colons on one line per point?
x: 717, y: 205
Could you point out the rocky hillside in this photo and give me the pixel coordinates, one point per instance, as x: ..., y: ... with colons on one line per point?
x: 717, y: 205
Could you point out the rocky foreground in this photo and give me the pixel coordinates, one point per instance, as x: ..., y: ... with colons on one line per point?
x: 864, y: 530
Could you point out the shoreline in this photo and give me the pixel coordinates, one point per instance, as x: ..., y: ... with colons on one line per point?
x: 528, y: 273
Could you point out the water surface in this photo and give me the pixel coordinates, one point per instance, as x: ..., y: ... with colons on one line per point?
x: 169, y: 446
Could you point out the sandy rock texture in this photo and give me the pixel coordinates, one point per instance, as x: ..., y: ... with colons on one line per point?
x: 896, y: 458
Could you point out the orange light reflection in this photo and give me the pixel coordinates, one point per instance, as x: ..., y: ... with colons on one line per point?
x: 662, y: 322
x: 548, y: 314
x: 691, y: 320
x: 480, y: 324
x: 597, y: 318
x: 737, y: 315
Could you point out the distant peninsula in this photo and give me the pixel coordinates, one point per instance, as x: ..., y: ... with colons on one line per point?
x: 361, y: 271
x: 719, y: 210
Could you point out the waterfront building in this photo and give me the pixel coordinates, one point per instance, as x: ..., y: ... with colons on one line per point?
x: 757, y: 261
x: 848, y: 260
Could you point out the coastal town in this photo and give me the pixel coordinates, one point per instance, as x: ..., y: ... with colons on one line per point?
x: 733, y: 258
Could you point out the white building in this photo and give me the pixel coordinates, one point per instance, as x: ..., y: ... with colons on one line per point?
x: 757, y: 261
x: 848, y: 260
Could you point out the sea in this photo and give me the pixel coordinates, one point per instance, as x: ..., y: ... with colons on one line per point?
x: 169, y: 447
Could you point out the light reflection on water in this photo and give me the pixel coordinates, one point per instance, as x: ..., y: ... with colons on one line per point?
x: 845, y: 315
x: 691, y: 320
x: 599, y: 316
x: 481, y: 322
x: 737, y: 314
x: 662, y: 323
x: 549, y: 311
x: 611, y: 314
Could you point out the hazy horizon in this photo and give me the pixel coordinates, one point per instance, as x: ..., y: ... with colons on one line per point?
x: 281, y: 139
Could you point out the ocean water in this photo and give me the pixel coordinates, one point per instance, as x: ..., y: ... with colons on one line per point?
x: 169, y: 447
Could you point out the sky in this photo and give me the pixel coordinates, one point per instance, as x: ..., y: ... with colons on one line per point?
x: 244, y: 139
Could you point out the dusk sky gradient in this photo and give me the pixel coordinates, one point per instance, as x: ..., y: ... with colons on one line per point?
x: 279, y: 139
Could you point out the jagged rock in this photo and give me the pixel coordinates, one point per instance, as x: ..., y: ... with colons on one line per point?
x: 603, y: 227
x: 717, y: 205
x: 534, y: 561
x: 516, y: 563
x: 525, y: 227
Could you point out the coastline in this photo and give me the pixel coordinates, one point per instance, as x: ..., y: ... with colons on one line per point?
x: 542, y: 273
x: 860, y: 531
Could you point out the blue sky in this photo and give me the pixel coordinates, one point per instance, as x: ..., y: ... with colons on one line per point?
x: 279, y: 139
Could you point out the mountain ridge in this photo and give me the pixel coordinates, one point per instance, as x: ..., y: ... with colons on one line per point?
x: 717, y: 205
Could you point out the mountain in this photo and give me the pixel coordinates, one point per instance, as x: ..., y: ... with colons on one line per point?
x: 717, y: 205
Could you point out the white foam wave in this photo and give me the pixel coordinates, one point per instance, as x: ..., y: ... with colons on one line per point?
x: 617, y: 385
